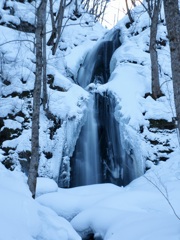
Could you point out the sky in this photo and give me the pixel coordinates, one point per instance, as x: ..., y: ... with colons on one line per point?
x: 115, y: 11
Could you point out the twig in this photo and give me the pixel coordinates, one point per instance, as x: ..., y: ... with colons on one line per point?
x: 164, y: 195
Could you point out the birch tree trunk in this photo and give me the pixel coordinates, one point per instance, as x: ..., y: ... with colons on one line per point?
x: 172, y: 15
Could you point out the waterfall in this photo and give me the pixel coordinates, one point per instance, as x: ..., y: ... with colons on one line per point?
x: 100, y: 154
x: 96, y: 63
x: 103, y: 153
x: 86, y: 159
x: 87, y: 163
x: 118, y: 164
x: 110, y: 143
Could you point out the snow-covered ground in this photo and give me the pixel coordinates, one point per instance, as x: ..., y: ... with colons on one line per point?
x: 142, y: 210
x: 145, y: 209
x: 23, y: 218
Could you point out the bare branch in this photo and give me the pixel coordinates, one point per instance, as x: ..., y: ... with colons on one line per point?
x: 163, y: 194
x: 18, y: 40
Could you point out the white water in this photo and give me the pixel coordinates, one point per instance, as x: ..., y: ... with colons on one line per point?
x: 87, y: 158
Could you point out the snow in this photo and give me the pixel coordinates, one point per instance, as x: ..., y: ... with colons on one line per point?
x: 22, y: 217
x: 133, y: 212
x: 21, y: 12
x: 77, y: 56
x: 73, y: 98
x: 154, y: 109
x: 45, y: 185
x: 77, y: 199
x: 10, y: 105
x: 129, y: 77
x: 137, y: 211
x: 141, y: 210
x: 11, y: 124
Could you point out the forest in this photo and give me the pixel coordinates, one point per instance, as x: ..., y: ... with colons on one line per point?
x: 89, y: 119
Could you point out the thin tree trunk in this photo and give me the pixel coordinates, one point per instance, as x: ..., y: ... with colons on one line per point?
x: 60, y: 17
x: 53, y: 34
x: 45, y: 106
x: 172, y: 14
x: 156, y: 91
x: 133, y: 3
x: 129, y: 12
x: 76, y: 8
x: 150, y: 7
x: 33, y: 170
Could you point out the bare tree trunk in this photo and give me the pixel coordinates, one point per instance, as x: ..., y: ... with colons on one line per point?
x: 56, y: 25
x: 133, y: 3
x: 60, y: 17
x: 156, y: 91
x: 33, y: 170
x: 45, y: 98
x: 53, y: 34
x: 172, y: 14
x: 129, y: 12
x: 76, y: 8
x: 95, y: 7
x: 150, y: 7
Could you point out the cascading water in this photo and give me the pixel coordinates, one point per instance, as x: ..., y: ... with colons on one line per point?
x: 118, y: 165
x: 86, y: 159
x: 99, y: 155
x: 109, y: 141
x: 97, y: 61
x: 87, y: 163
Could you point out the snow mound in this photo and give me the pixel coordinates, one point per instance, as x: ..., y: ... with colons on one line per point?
x: 23, y: 218
x: 69, y: 202
x: 45, y: 185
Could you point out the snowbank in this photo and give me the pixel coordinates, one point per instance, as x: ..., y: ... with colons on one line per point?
x: 23, y: 218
